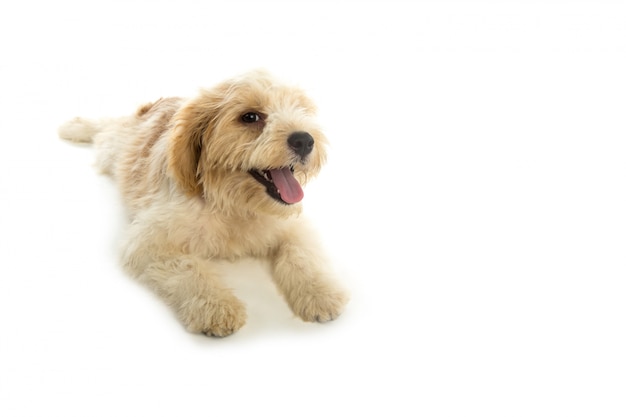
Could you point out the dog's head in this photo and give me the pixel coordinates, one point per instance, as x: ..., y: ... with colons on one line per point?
x: 248, y: 144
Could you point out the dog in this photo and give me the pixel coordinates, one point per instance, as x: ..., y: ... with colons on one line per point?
x: 219, y: 177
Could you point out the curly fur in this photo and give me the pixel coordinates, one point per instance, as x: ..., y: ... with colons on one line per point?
x: 182, y: 167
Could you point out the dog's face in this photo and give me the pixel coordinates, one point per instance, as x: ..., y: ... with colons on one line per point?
x: 248, y: 144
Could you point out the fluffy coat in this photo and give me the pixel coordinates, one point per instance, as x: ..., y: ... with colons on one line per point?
x: 218, y: 177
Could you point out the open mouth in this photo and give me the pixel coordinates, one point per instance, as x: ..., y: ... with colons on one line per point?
x: 280, y: 184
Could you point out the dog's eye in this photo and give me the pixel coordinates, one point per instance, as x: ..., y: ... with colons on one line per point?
x: 251, y: 117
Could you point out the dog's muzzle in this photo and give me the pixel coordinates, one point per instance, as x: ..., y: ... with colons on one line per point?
x: 280, y: 183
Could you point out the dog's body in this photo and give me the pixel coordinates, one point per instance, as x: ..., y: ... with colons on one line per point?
x: 218, y: 177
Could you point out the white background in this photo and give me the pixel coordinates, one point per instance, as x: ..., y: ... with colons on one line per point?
x: 474, y: 205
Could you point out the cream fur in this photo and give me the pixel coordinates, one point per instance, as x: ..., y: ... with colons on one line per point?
x: 182, y: 168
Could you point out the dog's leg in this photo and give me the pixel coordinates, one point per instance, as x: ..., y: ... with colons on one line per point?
x: 192, y: 288
x: 190, y: 285
x: 300, y: 273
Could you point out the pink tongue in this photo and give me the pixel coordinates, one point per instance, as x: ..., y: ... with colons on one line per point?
x: 288, y: 187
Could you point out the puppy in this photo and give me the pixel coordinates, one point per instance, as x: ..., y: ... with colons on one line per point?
x: 217, y: 177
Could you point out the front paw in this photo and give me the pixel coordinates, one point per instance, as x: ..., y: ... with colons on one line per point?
x: 214, y: 317
x: 321, y: 306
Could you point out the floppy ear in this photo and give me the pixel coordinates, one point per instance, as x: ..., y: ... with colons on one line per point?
x: 191, y: 127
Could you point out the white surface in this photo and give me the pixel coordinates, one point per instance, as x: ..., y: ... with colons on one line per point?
x: 474, y: 204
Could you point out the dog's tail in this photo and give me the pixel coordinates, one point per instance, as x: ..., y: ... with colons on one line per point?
x: 79, y: 130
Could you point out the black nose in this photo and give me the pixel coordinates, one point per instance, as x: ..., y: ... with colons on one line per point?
x: 301, y: 143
